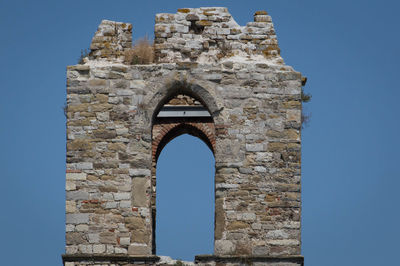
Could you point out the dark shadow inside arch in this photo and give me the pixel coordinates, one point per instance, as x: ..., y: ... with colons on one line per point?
x: 185, y: 196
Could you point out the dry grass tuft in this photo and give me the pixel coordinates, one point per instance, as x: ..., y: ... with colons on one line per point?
x: 141, y: 53
x: 225, y: 50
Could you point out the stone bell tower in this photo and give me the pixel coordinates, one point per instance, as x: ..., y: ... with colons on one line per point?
x: 211, y: 78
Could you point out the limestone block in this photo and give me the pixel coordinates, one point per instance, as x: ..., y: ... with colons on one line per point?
x: 77, y: 195
x: 139, y: 172
x: 69, y: 228
x: 125, y: 241
x: 82, y: 228
x: 85, y: 249
x: 71, y: 249
x: 107, y: 237
x: 99, y: 249
x: 134, y: 223
x: 77, y: 218
x: 70, y: 186
x: 224, y: 247
x: 125, y: 204
x: 93, y: 238
x: 75, y: 238
x: 119, y: 250
x: 138, y: 249
x: 76, y: 176
x: 255, y: 147
x: 122, y: 196
x: 84, y: 166
x: 140, y: 186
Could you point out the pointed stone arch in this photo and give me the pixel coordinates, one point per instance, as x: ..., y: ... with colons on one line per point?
x: 163, y: 130
x: 181, y: 83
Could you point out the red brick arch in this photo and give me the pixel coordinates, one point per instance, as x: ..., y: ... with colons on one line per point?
x: 166, y: 129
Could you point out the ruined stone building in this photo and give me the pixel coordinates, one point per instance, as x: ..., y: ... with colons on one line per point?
x: 224, y: 83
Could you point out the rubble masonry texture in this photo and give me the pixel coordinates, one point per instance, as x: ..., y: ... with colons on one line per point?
x: 113, y: 137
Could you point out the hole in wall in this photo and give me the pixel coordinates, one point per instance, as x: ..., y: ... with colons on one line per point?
x: 195, y: 28
x: 185, y: 199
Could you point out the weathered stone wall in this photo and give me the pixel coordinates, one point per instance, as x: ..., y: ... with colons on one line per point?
x: 111, y: 39
x: 210, y: 33
x: 254, y: 132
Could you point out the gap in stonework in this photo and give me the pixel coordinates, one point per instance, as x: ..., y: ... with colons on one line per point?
x: 185, y: 199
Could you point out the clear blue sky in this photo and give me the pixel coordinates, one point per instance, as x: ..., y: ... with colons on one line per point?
x: 349, y: 50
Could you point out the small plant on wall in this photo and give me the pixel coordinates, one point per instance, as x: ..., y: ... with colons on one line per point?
x: 84, y: 53
x: 305, y: 98
x: 141, y: 53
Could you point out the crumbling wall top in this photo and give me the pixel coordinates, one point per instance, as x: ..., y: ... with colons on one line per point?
x: 111, y: 39
x: 203, y: 35
x: 209, y: 34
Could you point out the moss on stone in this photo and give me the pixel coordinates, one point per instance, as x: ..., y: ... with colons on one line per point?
x: 183, y: 10
x: 260, y: 12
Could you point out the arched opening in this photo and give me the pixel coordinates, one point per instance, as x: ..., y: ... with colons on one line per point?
x: 183, y: 183
x: 185, y: 199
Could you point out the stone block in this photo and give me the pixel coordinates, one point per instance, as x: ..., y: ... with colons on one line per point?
x: 77, y: 195
x: 70, y: 206
x: 82, y: 228
x: 223, y: 31
x: 277, y: 234
x: 75, y: 238
x: 134, y: 223
x: 138, y: 249
x: 224, y: 247
x: 122, y: 196
x: 125, y: 204
x: 255, y: 147
x: 94, y: 238
x: 103, y: 116
x: 69, y: 228
x: 77, y: 218
x: 76, y: 176
x: 111, y: 205
x: 99, y: 249
x: 283, y: 242
x: 108, y: 238
x: 237, y: 225
x: 139, y: 172
x: 70, y: 186
x: 140, y: 186
x: 84, y: 166
x: 260, y: 250
x: 139, y: 236
x: 119, y: 250
x: 71, y: 249
x: 85, y: 249
x: 125, y: 241
x: 260, y: 169
x: 247, y: 216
